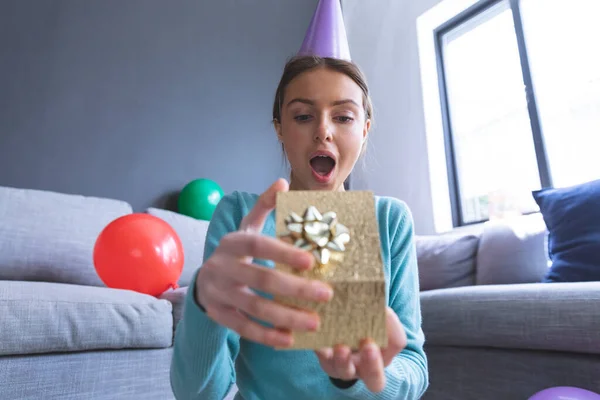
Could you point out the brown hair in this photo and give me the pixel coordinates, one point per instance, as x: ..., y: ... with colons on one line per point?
x: 300, y: 64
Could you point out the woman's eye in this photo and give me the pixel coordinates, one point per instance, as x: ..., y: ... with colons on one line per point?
x: 302, y: 118
x: 344, y: 119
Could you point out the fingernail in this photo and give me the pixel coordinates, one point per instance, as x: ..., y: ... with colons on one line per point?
x: 313, y: 324
x: 324, y: 293
x: 310, y: 262
x: 327, y: 352
x: 305, y: 261
x: 371, y: 352
x: 285, y: 340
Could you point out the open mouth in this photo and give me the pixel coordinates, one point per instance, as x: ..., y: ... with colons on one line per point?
x: 322, y: 165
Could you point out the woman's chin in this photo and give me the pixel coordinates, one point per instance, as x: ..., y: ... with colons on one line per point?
x: 332, y: 184
x: 316, y: 181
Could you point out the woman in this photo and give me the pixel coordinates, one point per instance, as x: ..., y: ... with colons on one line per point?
x: 322, y: 114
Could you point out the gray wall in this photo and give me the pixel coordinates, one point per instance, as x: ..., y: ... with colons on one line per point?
x: 132, y: 99
x: 383, y: 41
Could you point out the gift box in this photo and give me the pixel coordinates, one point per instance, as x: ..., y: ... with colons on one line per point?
x: 340, y: 230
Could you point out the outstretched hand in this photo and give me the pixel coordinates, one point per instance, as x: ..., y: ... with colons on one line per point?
x: 227, y: 282
x: 369, y: 362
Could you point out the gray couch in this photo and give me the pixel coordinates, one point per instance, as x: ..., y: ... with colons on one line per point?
x: 64, y: 335
x: 490, y: 333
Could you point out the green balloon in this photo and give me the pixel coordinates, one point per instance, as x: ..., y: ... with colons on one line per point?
x: 199, y: 198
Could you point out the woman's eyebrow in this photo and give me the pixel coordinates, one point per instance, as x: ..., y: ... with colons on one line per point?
x: 345, y: 101
x: 312, y: 103
x: 301, y: 100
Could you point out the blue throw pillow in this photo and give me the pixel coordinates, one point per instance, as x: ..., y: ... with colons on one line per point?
x: 572, y: 216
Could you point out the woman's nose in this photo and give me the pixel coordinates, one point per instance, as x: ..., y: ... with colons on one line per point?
x: 323, y: 131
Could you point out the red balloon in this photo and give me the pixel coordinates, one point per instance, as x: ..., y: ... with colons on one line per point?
x: 139, y: 252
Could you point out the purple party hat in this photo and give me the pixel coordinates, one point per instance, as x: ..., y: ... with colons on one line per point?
x: 326, y: 35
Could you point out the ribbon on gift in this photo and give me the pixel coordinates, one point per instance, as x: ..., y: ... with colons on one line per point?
x: 318, y: 233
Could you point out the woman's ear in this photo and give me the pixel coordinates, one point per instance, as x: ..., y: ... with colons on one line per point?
x: 366, y: 129
x: 277, y: 126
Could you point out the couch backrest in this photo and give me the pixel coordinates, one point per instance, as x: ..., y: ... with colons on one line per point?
x: 497, y: 252
x: 49, y: 236
x: 446, y: 261
x: 192, y: 233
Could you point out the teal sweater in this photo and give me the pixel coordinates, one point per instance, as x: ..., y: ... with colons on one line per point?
x: 209, y: 358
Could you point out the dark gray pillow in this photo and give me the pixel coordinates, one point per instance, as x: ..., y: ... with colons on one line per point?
x: 446, y: 260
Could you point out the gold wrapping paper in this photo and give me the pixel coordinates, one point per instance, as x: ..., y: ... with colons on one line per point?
x: 340, y: 229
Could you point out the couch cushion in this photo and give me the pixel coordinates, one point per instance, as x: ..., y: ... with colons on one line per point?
x: 48, y: 236
x: 512, y: 251
x: 446, y: 260
x: 535, y: 316
x: 572, y: 215
x: 177, y: 299
x: 41, y: 317
x: 192, y: 233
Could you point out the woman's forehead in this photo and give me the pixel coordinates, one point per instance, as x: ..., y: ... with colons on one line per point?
x: 323, y: 84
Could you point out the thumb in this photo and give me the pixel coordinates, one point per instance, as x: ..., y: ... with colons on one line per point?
x: 255, y: 219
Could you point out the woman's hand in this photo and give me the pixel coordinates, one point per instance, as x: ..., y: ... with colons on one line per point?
x: 369, y: 363
x: 224, y: 282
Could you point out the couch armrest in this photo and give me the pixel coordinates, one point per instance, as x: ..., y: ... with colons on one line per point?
x: 177, y: 299
x: 540, y: 316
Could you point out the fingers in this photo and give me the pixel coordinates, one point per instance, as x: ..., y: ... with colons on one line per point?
x: 269, y: 311
x: 325, y: 355
x: 396, y: 337
x: 275, y: 282
x: 248, y: 329
x: 371, y: 369
x: 255, y: 219
x: 254, y: 245
x: 343, y: 365
x: 369, y: 364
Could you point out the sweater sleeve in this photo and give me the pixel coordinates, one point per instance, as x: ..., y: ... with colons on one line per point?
x: 204, y: 352
x: 407, y: 376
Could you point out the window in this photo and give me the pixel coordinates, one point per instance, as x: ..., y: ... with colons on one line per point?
x: 520, y: 94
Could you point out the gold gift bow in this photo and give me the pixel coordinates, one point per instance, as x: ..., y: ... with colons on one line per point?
x: 320, y: 234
